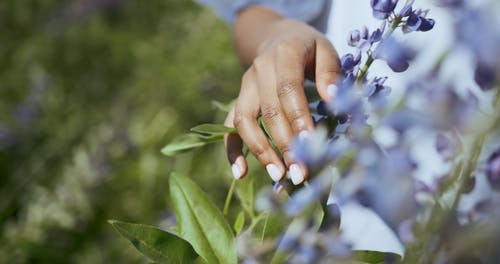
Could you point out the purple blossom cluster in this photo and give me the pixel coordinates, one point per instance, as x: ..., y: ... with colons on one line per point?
x: 381, y: 174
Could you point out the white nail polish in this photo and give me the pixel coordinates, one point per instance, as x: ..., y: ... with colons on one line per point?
x: 274, y: 172
x: 331, y: 90
x: 296, y: 174
x: 303, y: 134
x: 236, y: 171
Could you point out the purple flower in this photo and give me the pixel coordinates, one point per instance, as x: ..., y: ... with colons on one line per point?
x: 395, y: 54
x: 427, y: 24
x: 349, y: 61
x: 364, y: 33
x: 312, y: 148
x: 412, y: 23
x: 382, y: 8
x: 485, y: 76
x: 477, y: 31
x: 493, y: 169
x: 407, y: 9
x: 445, y: 146
x: 451, y: 3
x: 376, y: 87
x: 354, y: 38
x: 418, y: 22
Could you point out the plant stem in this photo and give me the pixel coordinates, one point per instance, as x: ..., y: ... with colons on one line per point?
x: 370, y: 59
x: 229, y: 197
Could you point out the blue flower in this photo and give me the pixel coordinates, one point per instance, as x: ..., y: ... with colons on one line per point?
x: 493, y: 169
x: 485, y: 76
x: 417, y: 21
x: 383, y: 8
x: 395, y: 54
x: 349, y: 61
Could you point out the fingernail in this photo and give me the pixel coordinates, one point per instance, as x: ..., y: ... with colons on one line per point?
x: 331, y: 90
x: 296, y: 174
x: 237, y: 172
x: 303, y: 134
x: 274, y: 172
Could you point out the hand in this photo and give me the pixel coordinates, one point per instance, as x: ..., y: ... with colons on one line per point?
x: 273, y: 87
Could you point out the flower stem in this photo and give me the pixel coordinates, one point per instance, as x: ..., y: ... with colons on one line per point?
x: 229, y: 197
x: 370, y: 59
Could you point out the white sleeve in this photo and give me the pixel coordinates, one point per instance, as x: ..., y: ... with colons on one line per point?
x: 313, y: 12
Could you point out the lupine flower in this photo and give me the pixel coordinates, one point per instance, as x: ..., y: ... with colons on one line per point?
x: 312, y: 148
x: 407, y: 9
x: 395, y: 54
x: 376, y: 35
x: 445, y: 146
x: 485, y: 76
x: 354, y: 38
x: 349, y: 61
x: 383, y: 8
x: 392, y: 173
x: 493, y: 170
x: 451, y: 3
x: 483, y: 43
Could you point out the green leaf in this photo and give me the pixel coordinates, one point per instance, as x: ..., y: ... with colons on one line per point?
x: 239, y: 223
x: 245, y: 192
x: 158, y: 245
x: 200, y: 222
x: 213, y: 129
x: 187, y: 142
x: 368, y: 256
x: 223, y: 107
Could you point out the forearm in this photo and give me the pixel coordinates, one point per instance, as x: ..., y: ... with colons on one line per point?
x: 251, y: 29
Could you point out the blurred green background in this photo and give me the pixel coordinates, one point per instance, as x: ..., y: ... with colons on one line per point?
x: 90, y: 91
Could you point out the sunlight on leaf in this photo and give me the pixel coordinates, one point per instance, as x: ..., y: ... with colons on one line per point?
x: 239, y: 223
x: 213, y: 129
x: 158, y: 245
x: 188, y: 142
x: 200, y: 222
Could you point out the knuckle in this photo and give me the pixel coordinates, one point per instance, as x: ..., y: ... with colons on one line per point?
x: 259, y: 152
x: 239, y: 120
x: 297, y: 118
x: 261, y: 62
x: 287, y: 87
x: 270, y: 113
x: 285, y: 150
x: 247, y: 77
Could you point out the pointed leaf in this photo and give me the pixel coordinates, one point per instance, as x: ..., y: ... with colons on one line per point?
x: 158, y: 245
x: 187, y: 142
x: 239, y: 223
x: 224, y: 107
x: 200, y: 222
x: 213, y: 129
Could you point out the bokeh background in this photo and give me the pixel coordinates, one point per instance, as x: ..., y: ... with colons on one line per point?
x: 90, y: 91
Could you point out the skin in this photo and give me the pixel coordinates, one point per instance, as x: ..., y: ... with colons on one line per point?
x: 280, y: 53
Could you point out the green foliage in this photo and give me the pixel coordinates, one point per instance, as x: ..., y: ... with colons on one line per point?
x: 239, y: 223
x: 213, y: 129
x: 90, y: 92
x: 188, y: 142
x: 200, y: 222
x: 158, y: 245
